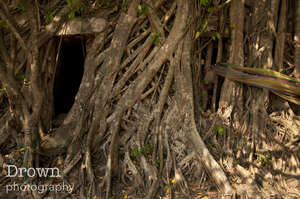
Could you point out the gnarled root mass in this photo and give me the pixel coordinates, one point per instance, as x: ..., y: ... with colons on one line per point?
x: 134, y: 108
x: 141, y: 125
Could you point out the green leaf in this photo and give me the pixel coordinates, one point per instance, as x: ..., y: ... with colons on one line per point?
x: 204, y: 26
x: 146, y: 149
x: 264, y: 159
x: 49, y: 19
x: 79, y: 7
x: 26, y: 82
x: 213, y: 37
x: 142, y: 9
x: 220, y: 130
x: 156, y: 163
x: 116, y: 8
x: 226, y: 31
x: 265, y: 72
x: 197, y: 35
x: 124, y: 4
x: 134, y: 152
x: 155, y: 38
x: 71, y: 15
x: 76, y: 8
x: 20, y: 5
x: 203, y: 2
x: 70, y: 2
x: 280, y: 84
x: 218, y: 35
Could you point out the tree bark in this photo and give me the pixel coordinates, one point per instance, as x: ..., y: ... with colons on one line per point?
x: 297, y: 42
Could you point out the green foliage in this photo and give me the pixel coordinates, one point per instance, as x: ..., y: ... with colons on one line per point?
x: 155, y: 38
x: 92, y: 13
x: 70, y: 2
x: 220, y: 130
x: 49, y: 18
x: 197, y: 34
x: 218, y: 35
x: 142, y: 9
x: 226, y: 31
x: 144, y: 150
x: 134, y: 152
x: 102, y: 3
x: 77, y: 8
x: 20, y: 6
x: 156, y: 163
x: 71, y: 15
x: 23, y: 78
x: 116, y: 8
x: 204, y: 26
x: 212, y: 144
x: 26, y: 82
x: 203, y: 2
x: 124, y: 5
x: 264, y: 159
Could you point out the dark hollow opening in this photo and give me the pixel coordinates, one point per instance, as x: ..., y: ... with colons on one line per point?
x: 69, y: 73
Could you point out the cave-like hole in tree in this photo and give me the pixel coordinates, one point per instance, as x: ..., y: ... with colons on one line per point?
x: 69, y: 73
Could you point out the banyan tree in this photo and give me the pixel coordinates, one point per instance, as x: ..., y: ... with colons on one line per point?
x: 152, y: 98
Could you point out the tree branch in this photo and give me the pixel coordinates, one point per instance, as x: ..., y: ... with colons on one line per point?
x: 15, y: 32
